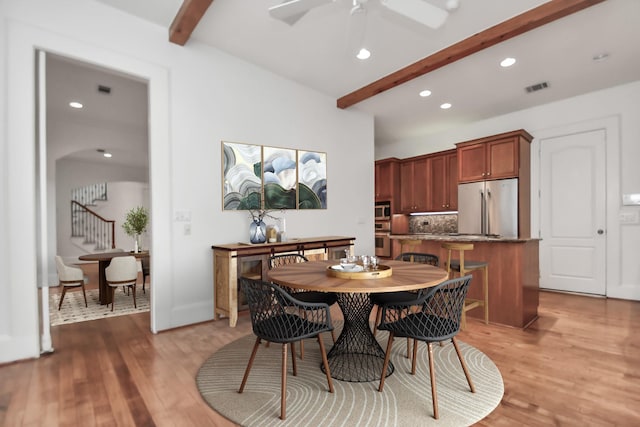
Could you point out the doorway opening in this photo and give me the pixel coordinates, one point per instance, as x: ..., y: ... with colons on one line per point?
x: 102, y: 139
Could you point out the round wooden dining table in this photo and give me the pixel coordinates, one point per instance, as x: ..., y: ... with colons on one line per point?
x: 356, y: 355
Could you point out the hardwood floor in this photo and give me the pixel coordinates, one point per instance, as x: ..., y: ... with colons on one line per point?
x: 579, y: 364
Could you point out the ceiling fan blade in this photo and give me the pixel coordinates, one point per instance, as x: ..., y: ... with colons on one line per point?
x: 291, y: 11
x: 418, y: 10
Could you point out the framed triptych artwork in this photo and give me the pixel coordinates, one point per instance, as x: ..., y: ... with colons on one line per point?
x: 272, y: 178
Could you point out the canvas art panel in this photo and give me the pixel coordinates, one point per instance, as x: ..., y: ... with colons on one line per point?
x: 279, y: 178
x: 312, y: 180
x: 242, y: 176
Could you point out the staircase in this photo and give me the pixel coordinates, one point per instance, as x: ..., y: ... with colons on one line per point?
x: 93, y: 232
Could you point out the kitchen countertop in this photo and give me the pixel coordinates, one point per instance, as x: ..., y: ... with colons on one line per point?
x: 455, y: 237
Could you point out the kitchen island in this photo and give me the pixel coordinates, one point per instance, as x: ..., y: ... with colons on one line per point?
x: 513, y: 273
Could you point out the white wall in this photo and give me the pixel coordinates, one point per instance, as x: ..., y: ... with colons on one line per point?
x: 620, y: 108
x: 199, y: 96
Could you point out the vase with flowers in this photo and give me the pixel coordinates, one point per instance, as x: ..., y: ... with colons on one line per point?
x: 135, y: 224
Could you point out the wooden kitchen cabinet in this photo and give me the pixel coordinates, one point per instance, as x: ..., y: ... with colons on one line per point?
x: 443, y: 181
x: 414, y: 178
x: 235, y: 260
x: 493, y: 157
x: 387, y: 179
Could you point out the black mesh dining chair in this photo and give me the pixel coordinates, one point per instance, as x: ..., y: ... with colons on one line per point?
x: 328, y: 298
x: 432, y: 317
x: 380, y: 299
x: 275, y: 318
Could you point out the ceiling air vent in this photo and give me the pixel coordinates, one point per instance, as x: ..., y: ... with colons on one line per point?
x: 104, y: 89
x: 537, y: 87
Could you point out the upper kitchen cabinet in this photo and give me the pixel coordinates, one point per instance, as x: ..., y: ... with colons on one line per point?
x: 494, y: 157
x: 387, y: 179
x: 443, y: 181
x: 414, y: 180
x: 387, y: 182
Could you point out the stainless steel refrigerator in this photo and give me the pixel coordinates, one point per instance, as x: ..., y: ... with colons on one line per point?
x: 489, y: 208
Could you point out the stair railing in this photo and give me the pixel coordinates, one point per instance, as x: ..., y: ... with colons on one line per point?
x: 93, y: 227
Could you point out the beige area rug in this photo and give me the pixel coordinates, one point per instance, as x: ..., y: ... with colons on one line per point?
x: 73, y: 309
x: 405, y: 400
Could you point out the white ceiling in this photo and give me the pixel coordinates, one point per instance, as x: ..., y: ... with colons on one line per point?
x: 314, y: 53
x: 124, y: 108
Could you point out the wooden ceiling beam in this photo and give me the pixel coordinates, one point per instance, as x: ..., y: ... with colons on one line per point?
x: 187, y: 19
x: 527, y: 21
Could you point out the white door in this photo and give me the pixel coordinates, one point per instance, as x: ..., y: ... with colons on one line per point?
x: 572, y: 207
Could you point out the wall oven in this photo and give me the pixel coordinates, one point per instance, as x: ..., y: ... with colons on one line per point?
x: 382, y: 239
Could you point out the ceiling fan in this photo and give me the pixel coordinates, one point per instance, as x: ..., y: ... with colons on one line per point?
x: 290, y: 11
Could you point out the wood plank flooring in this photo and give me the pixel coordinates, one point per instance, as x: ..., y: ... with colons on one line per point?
x: 578, y: 365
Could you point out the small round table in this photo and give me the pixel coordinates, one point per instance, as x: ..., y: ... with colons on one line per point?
x: 356, y: 355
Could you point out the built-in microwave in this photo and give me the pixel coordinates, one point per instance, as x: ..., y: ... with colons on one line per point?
x: 382, y: 210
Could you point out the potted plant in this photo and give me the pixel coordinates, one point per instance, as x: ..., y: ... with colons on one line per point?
x: 136, y: 224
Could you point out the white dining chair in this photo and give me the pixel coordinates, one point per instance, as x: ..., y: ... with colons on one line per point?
x: 123, y: 271
x: 70, y: 277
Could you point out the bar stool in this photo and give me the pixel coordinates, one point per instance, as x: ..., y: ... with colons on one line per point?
x: 463, y: 268
x: 409, y: 243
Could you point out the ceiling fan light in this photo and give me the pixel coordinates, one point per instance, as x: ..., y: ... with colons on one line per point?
x: 363, y: 54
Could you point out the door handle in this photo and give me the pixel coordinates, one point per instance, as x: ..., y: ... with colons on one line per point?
x: 600, y: 231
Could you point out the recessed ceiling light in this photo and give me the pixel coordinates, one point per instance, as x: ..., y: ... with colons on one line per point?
x: 425, y: 93
x: 445, y: 106
x: 601, y: 57
x: 363, y: 54
x: 107, y: 155
x: 75, y: 104
x: 507, y: 62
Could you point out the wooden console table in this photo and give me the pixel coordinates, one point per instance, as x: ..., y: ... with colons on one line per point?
x: 235, y: 260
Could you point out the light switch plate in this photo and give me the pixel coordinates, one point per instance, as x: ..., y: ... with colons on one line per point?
x: 182, y: 216
x: 629, y: 217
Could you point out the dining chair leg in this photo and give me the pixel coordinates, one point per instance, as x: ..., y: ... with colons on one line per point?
x: 378, y: 319
x: 325, y: 363
x: 304, y: 316
x: 293, y: 358
x: 415, y: 357
x: 64, y: 291
x: 333, y: 336
x: 301, y: 349
x: 464, y: 365
x: 283, y: 384
x: 432, y: 374
x: 113, y: 297
x: 407, y: 355
x: 249, y: 365
x: 385, y: 365
x: 84, y: 294
x: 133, y: 289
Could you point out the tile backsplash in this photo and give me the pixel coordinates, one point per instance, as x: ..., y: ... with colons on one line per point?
x: 433, y: 224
